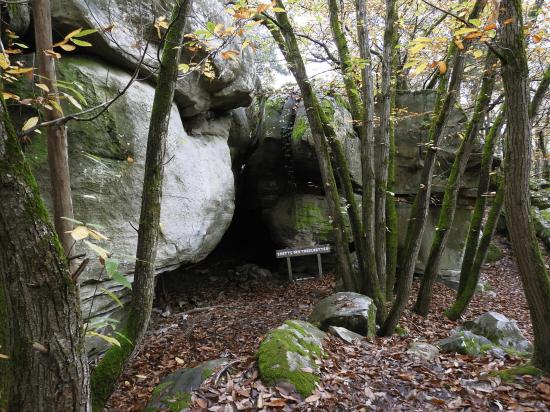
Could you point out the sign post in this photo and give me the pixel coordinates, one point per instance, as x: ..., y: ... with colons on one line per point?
x: 312, y: 250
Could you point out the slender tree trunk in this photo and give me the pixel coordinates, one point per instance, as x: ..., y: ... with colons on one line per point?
x: 374, y: 281
x: 450, y: 198
x: 388, y: 225
x: 476, y: 222
x: 464, y: 298
x: 111, y: 365
x: 419, y: 211
x: 531, y: 266
x: 58, y: 158
x: 346, y: 65
x: 283, y: 35
x: 47, y: 366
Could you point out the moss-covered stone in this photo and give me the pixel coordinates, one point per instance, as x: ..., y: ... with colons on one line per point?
x: 174, y: 391
x: 288, y: 354
x: 300, y: 127
x: 493, y: 253
x: 466, y: 343
x: 511, y: 373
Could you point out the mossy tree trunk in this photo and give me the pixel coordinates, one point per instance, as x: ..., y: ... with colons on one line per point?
x: 58, y: 157
x: 111, y: 365
x: 476, y: 247
x: 375, y: 277
x: 284, y: 36
x: 419, y: 210
x: 450, y: 197
x: 476, y: 222
x: 534, y: 276
x: 47, y: 367
x: 389, y: 226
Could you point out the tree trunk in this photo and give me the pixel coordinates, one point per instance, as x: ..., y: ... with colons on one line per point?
x: 517, y: 201
x: 47, y: 366
x: 376, y: 276
x: 283, y: 35
x: 419, y: 211
x: 388, y: 226
x: 476, y: 222
x: 346, y: 65
x: 58, y: 158
x: 110, y: 367
x: 470, y: 281
x: 450, y: 198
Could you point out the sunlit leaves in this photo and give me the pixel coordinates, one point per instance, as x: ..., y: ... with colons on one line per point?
x: 30, y: 123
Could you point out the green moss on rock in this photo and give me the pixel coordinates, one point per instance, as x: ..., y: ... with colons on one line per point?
x: 511, y: 373
x: 288, y: 354
x: 300, y: 127
x: 493, y: 253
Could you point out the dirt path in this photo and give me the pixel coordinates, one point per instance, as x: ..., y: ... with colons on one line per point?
x: 376, y: 375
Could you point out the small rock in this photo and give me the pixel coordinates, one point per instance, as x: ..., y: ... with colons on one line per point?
x: 423, y: 350
x: 345, y: 334
x: 466, y: 343
x: 349, y: 310
x: 500, y: 330
x: 174, y: 391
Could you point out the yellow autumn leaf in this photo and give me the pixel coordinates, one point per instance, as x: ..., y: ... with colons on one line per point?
x: 102, y: 253
x: 19, y: 70
x: 4, y: 61
x: 8, y: 95
x: 79, y: 232
x: 73, y: 33
x: 43, y: 87
x: 442, y: 66
x: 30, y: 123
x: 68, y: 47
x: 96, y: 235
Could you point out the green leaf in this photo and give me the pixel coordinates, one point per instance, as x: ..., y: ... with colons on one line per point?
x: 81, y: 43
x: 85, y: 33
x: 211, y: 26
x: 111, y: 266
x: 118, y: 277
x: 113, y: 297
x: 109, y: 339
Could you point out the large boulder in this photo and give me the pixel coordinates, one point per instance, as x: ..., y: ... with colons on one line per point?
x: 283, y: 181
x: 288, y: 354
x: 174, y: 391
x: 124, y: 27
x: 349, y: 310
x: 107, y: 164
x: 500, y: 330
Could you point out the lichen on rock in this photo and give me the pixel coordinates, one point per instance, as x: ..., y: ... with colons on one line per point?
x: 288, y: 354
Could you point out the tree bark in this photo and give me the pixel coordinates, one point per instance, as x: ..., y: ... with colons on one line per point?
x: 517, y: 201
x: 58, y: 158
x: 284, y: 36
x: 450, y: 198
x: 111, y: 365
x: 387, y: 223
x: 47, y: 366
x: 367, y: 151
x: 419, y: 211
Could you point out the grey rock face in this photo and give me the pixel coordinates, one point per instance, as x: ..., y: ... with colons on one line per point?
x: 285, y: 156
x: 345, y: 334
x: 500, y: 330
x: 466, y: 343
x: 288, y: 354
x: 131, y: 25
x: 174, y: 391
x: 107, y: 162
x: 423, y: 350
x: 349, y: 310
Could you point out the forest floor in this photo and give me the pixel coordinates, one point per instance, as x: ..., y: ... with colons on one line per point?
x: 368, y: 375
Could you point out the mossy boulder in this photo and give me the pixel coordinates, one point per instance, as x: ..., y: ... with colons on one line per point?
x: 349, y: 310
x: 466, y: 343
x: 174, y: 391
x: 288, y: 354
x: 499, y: 330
